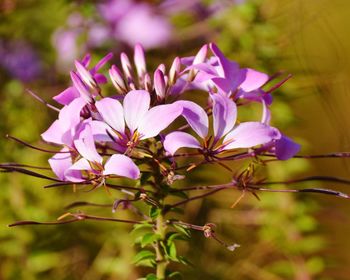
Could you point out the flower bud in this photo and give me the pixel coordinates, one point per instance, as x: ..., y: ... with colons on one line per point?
x: 140, y: 61
x: 85, y: 75
x: 126, y: 65
x: 81, y: 88
x: 174, y: 70
x: 159, y: 83
x: 117, y: 79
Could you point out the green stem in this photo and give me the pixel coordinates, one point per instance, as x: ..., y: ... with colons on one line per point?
x: 161, y: 260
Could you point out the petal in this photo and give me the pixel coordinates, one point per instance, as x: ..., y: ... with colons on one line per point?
x: 253, y: 80
x: 121, y: 165
x: 157, y: 119
x: 227, y: 69
x: 100, y: 78
x: 73, y: 173
x: 196, y: 117
x: 101, y: 63
x: 178, y: 139
x: 54, y: 133
x: 60, y: 162
x: 136, y: 104
x: 224, y: 115
x: 85, y: 145
x: 286, y: 148
x: 67, y: 96
x: 99, y: 131
x: 112, y: 113
x: 69, y: 115
x: 250, y: 134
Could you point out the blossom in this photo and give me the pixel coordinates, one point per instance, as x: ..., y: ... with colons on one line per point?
x: 242, y: 135
x: 142, y: 121
x: 92, y: 161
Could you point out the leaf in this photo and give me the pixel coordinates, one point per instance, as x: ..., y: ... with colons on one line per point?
x: 151, y: 277
x: 144, y: 255
x: 175, y: 274
x: 154, y: 212
x: 143, y: 226
x: 171, y: 236
x: 149, y: 238
x: 182, y: 229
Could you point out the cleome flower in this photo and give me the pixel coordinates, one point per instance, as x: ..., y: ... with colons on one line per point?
x: 227, y: 135
x: 134, y: 120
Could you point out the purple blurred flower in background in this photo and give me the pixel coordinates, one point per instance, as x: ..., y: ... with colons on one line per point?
x: 133, y: 22
x: 20, y: 60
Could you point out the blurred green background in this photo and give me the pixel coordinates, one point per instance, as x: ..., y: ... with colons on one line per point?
x: 283, y: 236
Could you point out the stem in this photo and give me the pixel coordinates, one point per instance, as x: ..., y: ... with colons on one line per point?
x: 162, y: 263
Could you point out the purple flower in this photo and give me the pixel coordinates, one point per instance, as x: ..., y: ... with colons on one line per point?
x: 243, y: 135
x: 20, y: 60
x: 142, y: 121
x: 135, y: 22
x: 85, y: 82
x: 92, y: 161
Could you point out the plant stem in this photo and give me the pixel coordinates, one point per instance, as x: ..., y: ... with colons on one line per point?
x: 161, y: 260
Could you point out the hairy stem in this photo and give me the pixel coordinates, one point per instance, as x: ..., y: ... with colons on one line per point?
x: 160, y: 257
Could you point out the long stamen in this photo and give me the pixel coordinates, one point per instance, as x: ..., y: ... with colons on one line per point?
x: 33, y: 147
x: 42, y: 100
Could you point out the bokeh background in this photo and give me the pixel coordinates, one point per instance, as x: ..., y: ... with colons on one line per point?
x: 283, y: 236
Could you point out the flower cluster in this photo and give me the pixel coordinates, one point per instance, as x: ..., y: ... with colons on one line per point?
x: 110, y: 135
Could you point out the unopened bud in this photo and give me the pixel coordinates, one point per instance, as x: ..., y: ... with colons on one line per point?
x: 85, y: 75
x: 140, y: 61
x: 126, y: 65
x: 174, y: 70
x: 117, y: 79
x: 81, y: 88
x: 159, y: 83
x: 199, y: 58
x: 147, y: 83
x: 162, y: 68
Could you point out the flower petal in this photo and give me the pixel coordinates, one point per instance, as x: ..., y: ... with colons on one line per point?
x: 157, y: 119
x: 250, y: 134
x: 67, y: 96
x: 54, y: 133
x: 136, y: 104
x: 112, y: 113
x: 85, y: 145
x: 73, y: 173
x: 60, y: 162
x: 253, y: 80
x: 178, y: 139
x: 121, y: 165
x: 224, y: 115
x: 286, y: 148
x: 196, y: 117
x: 228, y: 69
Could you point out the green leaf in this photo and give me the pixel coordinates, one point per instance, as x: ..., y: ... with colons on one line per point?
x: 149, y: 238
x: 144, y: 255
x: 151, y: 277
x: 182, y: 229
x: 172, y: 250
x: 154, y: 212
x: 142, y: 226
x: 175, y: 274
x: 171, y: 236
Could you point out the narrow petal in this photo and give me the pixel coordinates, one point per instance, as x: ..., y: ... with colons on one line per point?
x: 229, y: 69
x: 121, y: 165
x: 81, y: 88
x: 253, y: 80
x: 286, y: 148
x: 178, y: 139
x: 159, y: 84
x: 250, y: 134
x: 157, y: 119
x: 67, y: 96
x: 85, y: 145
x: 196, y: 117
x: 54, y: 133
x: 112, y: 113
x: 224, y: 115
x: 101, y: 63
x: 60, y: 162
x: 73, y: 174
x: 136, y: 104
